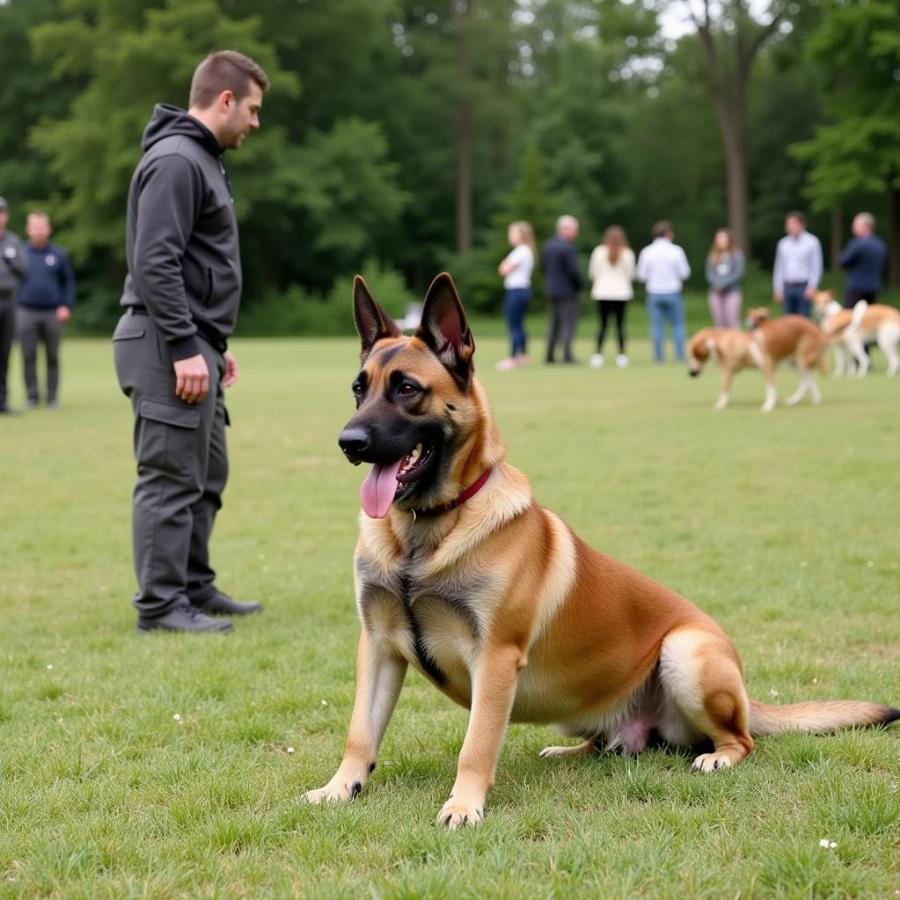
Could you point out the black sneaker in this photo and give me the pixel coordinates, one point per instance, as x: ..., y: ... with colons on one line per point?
x: 219, y: 604
x: 8, y: 411
x: 182, y: 618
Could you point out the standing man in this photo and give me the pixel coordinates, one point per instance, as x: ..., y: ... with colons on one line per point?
x: 13, y: 265
x: 798, y: 266
x: 181, y: 298
x: 864, y: 258
x: 663, y: 267
x: 562, y: 284
x: 46, y: 299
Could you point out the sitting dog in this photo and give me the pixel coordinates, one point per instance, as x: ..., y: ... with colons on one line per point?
x: 851, y: 330
x: 770, y: 342
x: 460, y: 573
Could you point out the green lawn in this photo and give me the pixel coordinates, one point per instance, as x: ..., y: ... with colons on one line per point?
x: 162, y: 766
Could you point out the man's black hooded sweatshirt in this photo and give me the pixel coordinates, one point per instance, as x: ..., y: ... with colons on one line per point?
x: 182, y: 248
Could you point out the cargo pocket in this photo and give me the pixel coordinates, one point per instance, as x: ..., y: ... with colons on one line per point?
x: 130, y: 328
x: 167, y: 437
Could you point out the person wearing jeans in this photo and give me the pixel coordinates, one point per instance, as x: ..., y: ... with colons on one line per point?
x: 798, y: 266
x: 516, y: 271
x: 663, y: 267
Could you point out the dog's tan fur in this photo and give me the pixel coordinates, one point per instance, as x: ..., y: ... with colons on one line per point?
x: 770, y: 342
x: 523, y: 621
x: 851, y: 329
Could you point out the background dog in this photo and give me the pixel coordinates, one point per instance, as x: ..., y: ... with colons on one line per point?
x: 770, y: 342
x: 462, y: 574
x: 851, y: 330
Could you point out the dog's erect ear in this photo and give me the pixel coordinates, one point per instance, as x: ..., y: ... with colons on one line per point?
x: 445, y: 330
x: 372, y: 322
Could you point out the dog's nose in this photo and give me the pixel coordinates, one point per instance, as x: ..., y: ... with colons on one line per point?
x: 354, y: 441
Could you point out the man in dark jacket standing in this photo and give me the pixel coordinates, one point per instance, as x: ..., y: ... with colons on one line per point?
x: 13, y: 265
x: 864, y: 258
x: 181, y: 298
x: 562, y: 284
x: 46, y: 299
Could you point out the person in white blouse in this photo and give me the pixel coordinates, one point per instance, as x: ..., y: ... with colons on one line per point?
x: 611, y: 271
x: 663, y: 267
x: 516, y: 270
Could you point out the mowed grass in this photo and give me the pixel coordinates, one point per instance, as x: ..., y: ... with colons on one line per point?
x: 173, y: 766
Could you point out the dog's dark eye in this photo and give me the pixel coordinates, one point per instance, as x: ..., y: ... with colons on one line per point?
x: 357, y: 388
x: 407, y: 390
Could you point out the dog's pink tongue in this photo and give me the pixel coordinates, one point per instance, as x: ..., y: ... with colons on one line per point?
x: 377, y: 491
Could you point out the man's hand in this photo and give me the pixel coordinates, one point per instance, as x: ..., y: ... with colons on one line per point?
x: 191, y: 379
x: 779, y: 296
x: 809, y: 293
x: 63, y: 313
x: 231, y: 370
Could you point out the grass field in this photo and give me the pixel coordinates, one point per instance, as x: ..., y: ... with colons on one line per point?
x: 166, y: 766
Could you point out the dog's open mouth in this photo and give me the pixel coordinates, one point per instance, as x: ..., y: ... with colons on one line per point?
x: 385, y: 483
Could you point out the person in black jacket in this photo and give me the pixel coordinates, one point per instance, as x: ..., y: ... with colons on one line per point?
x: 46, y: 299
x: 562, y: 284
x: 864, y: 258
x: 181, y: 300
x: 13, y: 266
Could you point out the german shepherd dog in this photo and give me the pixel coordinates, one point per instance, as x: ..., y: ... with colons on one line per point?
x: 463, y: 575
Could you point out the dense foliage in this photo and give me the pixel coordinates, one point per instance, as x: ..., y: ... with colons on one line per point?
x: 389, y: 120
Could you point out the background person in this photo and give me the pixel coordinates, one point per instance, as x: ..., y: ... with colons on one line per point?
x: 724, y: 271
x: 663, y: 267
x: 46, y: 299
x: 13, y: 265
x: 864, y: 258
x: 181, y: 298
x: 798, y: 266
x: 611, y: 270
x: 516, y: 270
x: 562, y: 284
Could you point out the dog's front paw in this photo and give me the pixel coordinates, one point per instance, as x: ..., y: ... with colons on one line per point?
x: 455, y: 813
x: 710, y: 762
x: 333, y: 792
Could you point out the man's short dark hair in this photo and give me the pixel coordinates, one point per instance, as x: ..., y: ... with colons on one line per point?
x: 662, y: 228
x: 225, y: 70
x: 796, y: 214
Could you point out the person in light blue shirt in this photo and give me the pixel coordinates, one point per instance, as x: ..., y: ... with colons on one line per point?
x: 798, y: 266
x: 663, y: 267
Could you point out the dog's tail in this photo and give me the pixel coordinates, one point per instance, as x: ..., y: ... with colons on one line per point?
x: 818, y: 717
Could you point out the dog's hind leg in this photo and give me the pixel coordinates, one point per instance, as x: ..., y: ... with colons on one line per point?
x: 704, y: 695
x: 379, y: 677
x: 887, y: 341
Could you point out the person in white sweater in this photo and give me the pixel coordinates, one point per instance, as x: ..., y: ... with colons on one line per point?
x: 663, y: 267
x: 611, y: 271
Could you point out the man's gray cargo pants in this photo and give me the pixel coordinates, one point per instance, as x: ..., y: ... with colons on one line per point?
x: 182, y: 467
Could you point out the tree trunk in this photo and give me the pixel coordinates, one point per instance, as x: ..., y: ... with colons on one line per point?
x: 461, y: 9
x: 837, y: 236
x: 732, y: 119
x: 894, y: 240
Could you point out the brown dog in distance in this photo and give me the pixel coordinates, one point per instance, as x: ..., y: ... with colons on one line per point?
x: 770, y: 342
x: 463, y: 575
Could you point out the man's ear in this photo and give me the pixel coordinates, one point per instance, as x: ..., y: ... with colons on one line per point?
x: 445, y: 330
x: 372, y: 322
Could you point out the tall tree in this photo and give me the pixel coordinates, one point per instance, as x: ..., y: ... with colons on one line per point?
x: 858, y: 45
x: 732, y: 36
